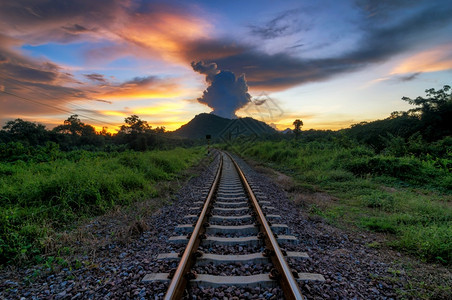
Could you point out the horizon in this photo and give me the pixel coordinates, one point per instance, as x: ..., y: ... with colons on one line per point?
x: 329, y: 64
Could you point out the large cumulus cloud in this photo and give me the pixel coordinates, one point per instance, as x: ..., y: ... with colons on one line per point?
x: 226, y: 93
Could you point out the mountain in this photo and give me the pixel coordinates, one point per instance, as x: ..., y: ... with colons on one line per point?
x: 287, y: 131
x: 218, y: 127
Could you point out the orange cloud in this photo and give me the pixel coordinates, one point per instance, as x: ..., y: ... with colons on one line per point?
x: 149, y: 87
x: 437, y: 59
x: 141, y: 94
x: 165, y: 34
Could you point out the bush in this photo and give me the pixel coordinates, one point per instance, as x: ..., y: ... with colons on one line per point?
x: 379, y: 225
x: 37, y: 198
x: 432, y: 242
x: 403, y: 168
x: 379, y: 200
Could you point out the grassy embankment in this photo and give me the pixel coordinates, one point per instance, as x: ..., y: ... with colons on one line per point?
x: 407, y: 197
x: 37, y: 199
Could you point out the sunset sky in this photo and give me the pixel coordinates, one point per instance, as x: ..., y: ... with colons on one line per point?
x: 329, y: 63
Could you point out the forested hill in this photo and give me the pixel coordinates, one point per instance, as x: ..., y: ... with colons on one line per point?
x: 429, y: 121
x: 210, y: 124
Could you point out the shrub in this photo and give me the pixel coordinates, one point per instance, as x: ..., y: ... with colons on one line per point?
x: 383, y: 201
x: 432, y: 242
x: 37, y: 198
x: 379, y: 225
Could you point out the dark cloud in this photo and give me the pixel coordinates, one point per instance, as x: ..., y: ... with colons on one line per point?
x: 140, y: 81
x: 62, y: 21
x: 96, y: 77
x: 30, y: 13
x: 76, y: 28
x: 295, y: 46
x: 206, y: 49
x: 383, y: 9
x: 26, y: 73
x: 226, y: 93
x: 286, y: 23
x: 3, y: 58
x: 408, y: 77
x: 210, y: 70
x: 281, y: 70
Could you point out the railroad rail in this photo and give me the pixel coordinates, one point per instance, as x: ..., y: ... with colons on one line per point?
x: 231, y: 199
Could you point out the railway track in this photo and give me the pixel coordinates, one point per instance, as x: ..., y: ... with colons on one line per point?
x: 233, y: 240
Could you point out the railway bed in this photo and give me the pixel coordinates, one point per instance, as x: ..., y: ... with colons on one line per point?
x: 233, y: 243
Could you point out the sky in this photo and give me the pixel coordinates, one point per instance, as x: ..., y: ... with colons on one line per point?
x: 329, y: 63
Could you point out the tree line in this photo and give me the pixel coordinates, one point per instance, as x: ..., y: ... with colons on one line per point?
x: 429, y: 123
x: 135, y: 134
x: 423, y: 131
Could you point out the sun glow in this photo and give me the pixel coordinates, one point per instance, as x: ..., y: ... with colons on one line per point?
x: 172, y: 108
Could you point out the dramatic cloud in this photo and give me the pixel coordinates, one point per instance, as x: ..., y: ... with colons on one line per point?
x: 226, y: 93
x: 281, y: 70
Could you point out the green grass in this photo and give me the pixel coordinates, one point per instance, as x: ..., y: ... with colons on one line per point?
x: 40, y: 198
x: 406, y: 197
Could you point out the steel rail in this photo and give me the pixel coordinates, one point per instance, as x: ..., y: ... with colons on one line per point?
x: 287, y: 280
x: 179, y: 280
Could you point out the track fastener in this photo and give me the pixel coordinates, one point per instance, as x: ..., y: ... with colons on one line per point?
x: 171, y: 273
x: 191, y: 275
x: 274, y: 274
x: 267, y: 252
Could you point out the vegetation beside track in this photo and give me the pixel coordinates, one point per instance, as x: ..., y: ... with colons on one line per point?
x: 43, y: 191
x: 408, y: 197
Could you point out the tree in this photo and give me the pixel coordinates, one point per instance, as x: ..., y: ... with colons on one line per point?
x: 25, y: 131
x: 75, y: 133
x: 160, y: 130
x: 135, y: 125
x: 137, y: 134
x: 71, y: 125
x: 297, y: 127
x: 435, y: 101
x: 434, y: 111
